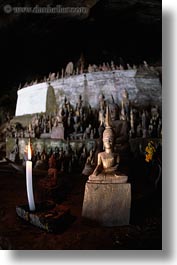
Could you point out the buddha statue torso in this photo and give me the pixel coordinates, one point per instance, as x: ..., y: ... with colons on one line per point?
x: 108, y: 160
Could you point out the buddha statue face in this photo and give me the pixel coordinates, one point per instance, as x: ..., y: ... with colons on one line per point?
x: 108, y: 142
x: 108, y: 138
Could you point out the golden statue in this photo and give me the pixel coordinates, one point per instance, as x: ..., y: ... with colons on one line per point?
x: 106, y: 170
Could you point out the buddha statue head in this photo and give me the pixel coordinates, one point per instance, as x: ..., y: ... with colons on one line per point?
x: 108, y: 134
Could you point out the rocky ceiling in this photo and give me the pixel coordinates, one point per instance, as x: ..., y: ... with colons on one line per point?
x: 32, y: 45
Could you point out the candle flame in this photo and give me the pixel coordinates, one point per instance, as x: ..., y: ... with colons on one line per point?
x: 29, y: 151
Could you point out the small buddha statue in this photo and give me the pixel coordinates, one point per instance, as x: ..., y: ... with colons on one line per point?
x: 125, y: 104
x: 106, y: 170
x: 121, y: 129
x: 51, y: 180
x: 52, y: 172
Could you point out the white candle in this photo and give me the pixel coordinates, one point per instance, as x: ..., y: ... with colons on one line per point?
x: 29, y: 181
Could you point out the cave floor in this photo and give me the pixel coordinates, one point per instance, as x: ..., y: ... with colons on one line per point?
x: 144, y: 231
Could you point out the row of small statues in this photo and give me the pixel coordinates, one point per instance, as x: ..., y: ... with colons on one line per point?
x: 102, y: 165
x: 100, y: 162
x: 105, y: 168
x: 62, y: 160
x: 83, y: 122
x: 72, y: 70
x: 57, y: 160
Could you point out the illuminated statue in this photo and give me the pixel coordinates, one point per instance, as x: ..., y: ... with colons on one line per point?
x: 108, y: 161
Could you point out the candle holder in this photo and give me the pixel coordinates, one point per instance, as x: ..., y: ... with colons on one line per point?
x: 48, y: 216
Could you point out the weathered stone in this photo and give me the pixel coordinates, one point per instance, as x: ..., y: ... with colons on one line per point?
x: 107, y: 204
x: 36, y: 99
x: 141, y: 88
x: 103, y: 82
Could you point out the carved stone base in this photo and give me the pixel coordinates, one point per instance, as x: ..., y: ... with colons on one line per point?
x: 107, y: 204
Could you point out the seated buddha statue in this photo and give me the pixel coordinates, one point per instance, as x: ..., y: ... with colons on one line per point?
x: 106, y: 170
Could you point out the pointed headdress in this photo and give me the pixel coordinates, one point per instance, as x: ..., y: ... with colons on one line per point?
x: 108, y: 132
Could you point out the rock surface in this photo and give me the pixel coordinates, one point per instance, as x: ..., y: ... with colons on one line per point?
x: 142, y: 89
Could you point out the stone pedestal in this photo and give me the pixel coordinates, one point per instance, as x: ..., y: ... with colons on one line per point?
x: 107, y: 204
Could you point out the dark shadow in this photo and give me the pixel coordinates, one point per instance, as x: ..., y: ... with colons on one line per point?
x: 48, y: 216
